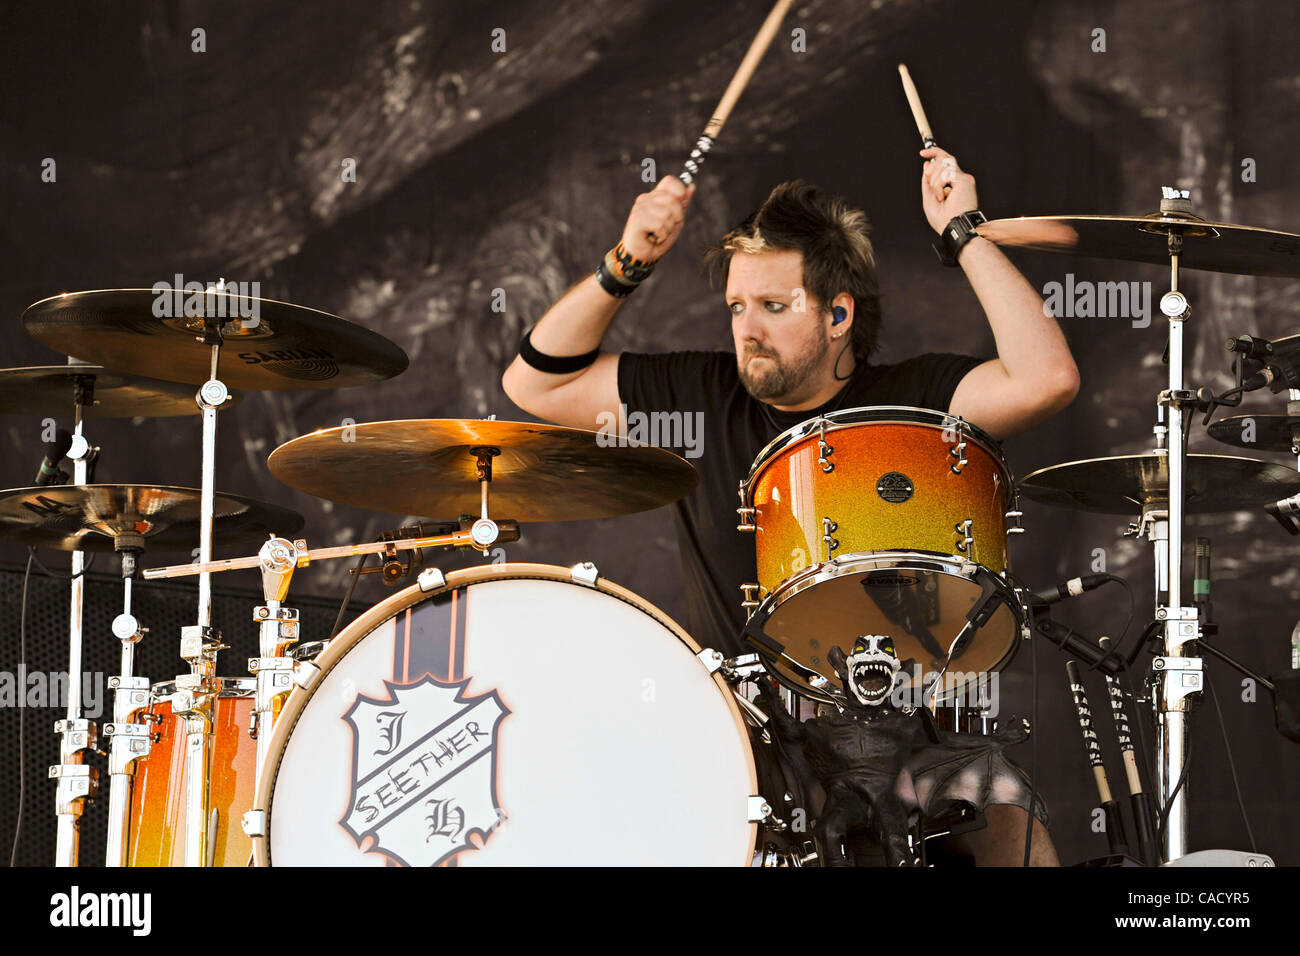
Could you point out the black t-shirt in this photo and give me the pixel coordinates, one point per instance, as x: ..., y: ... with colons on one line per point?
x: 716, y: 558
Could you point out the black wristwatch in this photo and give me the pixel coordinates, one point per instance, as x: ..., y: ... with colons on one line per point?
x: 959, y: 231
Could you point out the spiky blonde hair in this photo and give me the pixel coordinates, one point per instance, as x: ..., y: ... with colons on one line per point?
x: 833, y: 238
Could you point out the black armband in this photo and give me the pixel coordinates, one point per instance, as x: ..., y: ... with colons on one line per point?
x: 959, y: 231
x: 554, y: 364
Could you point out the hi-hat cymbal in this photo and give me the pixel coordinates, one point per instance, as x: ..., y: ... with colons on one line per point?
x: 101, y: 517
x: 1265, y: 432
x: 1213, y: 246
x: 278, y: 346
x: 427, y: 467
x: 51, y: 390
x: 1122, y: 485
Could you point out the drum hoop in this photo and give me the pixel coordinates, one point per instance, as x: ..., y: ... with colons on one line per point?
x: 876, y: 415
x: 839, y: 565
x: 360, y: 628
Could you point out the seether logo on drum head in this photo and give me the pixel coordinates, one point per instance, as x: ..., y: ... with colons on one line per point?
x: 424, y: 770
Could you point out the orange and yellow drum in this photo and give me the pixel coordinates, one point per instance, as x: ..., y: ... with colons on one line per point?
x: 881, y: 520
x: 157, y: 821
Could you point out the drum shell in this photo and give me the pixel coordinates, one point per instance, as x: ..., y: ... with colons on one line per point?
x: 157, y: 817
x: 792, y: 495
x: 398, y: 623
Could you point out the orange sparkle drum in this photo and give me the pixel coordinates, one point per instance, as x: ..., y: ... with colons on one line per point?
x: 157, y: 822
x: 881, y: 520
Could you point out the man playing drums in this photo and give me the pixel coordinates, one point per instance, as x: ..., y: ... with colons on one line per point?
x: 801, y: 288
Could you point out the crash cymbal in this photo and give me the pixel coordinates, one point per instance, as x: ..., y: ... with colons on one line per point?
x: 99, y: 517
x: 1122, y: 485
x: 428, y: 468
x: 1265, y: 432
x: 51, y: 390
x: 1213, y: 246
x: 279, y: 346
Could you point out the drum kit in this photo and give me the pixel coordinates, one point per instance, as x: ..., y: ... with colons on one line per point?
x: 525, y: 713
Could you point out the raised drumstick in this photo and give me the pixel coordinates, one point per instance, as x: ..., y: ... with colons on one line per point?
x: 918, y: 113
x: 762, y: 40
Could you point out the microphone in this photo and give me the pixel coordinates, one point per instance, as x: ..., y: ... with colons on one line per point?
x: 55, y: 451
x: 1071, y: 588
x: 1072, y: 642
x: 1287, y: 513
x: 1251, y: 347
x: 1275, y: 375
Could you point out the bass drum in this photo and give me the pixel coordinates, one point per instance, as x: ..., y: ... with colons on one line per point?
x: 510, y: 715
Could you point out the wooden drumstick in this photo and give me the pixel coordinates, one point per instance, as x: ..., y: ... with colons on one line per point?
x: 762, y: 40
x: 918, y: 114
x: 1114, y: 820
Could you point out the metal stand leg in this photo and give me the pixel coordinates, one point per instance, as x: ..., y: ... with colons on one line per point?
x: 77, y: 782
x: 1175, y: 678
x: 130, y: 740
x: 200, y: 643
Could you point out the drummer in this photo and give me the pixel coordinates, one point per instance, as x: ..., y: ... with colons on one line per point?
x: 800, y: 285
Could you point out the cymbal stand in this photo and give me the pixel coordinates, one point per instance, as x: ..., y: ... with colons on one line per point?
x: 1176, y: 676
x: 130, y: 740
x: 77, y: 781
x: 276, y: 673
x: 201, y: 642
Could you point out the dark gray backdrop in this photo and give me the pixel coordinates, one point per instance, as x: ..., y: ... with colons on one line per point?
x: 479, y: 170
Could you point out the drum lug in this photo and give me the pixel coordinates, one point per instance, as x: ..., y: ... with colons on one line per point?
x: 431, y: 579
x: 958, y: 451
x: 585, y: 573
x: 759, y: 810
x: 253, y: 823
x: 711, y: 659
x: 1016, y: 528
x: 824, y: 451
x: 829, y: 528
x: 753, y: 598
x: 963, y: 529
x: 747, y: 514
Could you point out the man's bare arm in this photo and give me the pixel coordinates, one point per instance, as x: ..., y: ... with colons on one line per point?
x: 577, y: 322
x: 1034, y: 375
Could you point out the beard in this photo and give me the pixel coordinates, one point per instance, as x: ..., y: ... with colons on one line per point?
x: 776, y: 377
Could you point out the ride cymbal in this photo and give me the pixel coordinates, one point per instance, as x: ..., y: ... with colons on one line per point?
x: 268, y: 344
x: 52, y: 390
x: 104, y: 517
x: 429, y: 468
x: 1123, y: 484
x: 1213, y: 246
